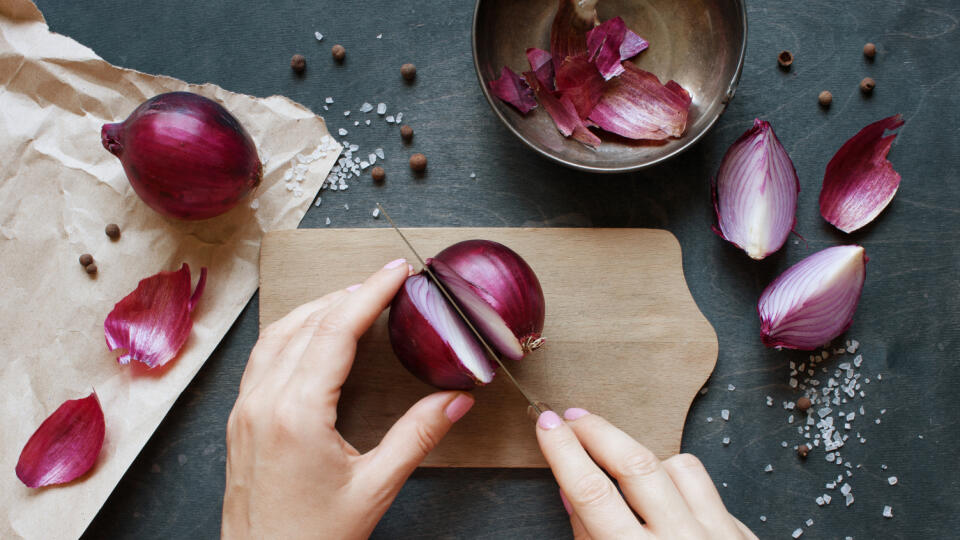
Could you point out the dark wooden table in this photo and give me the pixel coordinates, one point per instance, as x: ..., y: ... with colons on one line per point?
x: 907, y: 321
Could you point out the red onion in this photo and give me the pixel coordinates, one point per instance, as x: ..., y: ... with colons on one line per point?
x: 186, y: 156
x: 497, y: 291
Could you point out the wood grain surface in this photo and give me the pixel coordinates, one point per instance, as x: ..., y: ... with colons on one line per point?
x: 624, y: 337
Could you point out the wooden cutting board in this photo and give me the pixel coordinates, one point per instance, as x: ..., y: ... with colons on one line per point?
x: 624, y: 337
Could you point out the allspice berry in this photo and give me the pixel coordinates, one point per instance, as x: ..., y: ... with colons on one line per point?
x: 378, y: 174
x: 113, y: 231
x: 867, y: 85
x: 298, y: 63
x: 86, y: 259
x: 803, y: 450
x: 338, y: 52
x: 91, y: 268
x: 785, y: 59
x: 870, y: 50
x: 804, y: 403
x: 825, y: 98
x: 408, y: 71
x: 418, y: 163
x: 406, y: 133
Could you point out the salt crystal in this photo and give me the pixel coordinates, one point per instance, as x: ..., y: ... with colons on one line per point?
x: 830, y: 457
x: 887, y: 511
x: 783, y: 444
x: 366, y: 107
x: 724, y: 484
x: 846, y: 489
x: 379, y: 36
x: 848, y: 499
x: 473, y: 175
x: 731, y: 387
x: 254, y: 204
x: 726, y: 442
x: 376, y: 213
x: 790, y: 419
x: 827, y: 498
x: 793, y: 382
x: 297, y: 192
x: 346, y: 113
x: 809, y: 522
x: 877, y: 421
x: 852, y: 346
x: 379, y: 152
x: 367, y: 122
x: 288, y: 175
x: 364, y: 165
x: 709, y: 419
x: 883, y: 411
x: 318, y: 35
x: 346, y: 206
x: 356, y: 123
x: 318, y: 202
x: 763, y: 518
x: 798, y: 533
x: 858, y: 360
x: 389, y: 118
x: 892, y: 480
x: 768, y: 468
x: 329, y: 100
x: 381, y: 108
x: 328, y: 221
x: 372, y: 158
x: 769, y: 401
x: 725, y: 414
x: 354, y: 147
x: 399, y: 116
x: 824, y: 412
x: 342, y: 132
x: 820, y: 501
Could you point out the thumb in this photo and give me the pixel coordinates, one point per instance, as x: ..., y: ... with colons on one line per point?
x: 415, y: 434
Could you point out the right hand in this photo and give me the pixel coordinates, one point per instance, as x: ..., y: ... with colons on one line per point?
x: 675, y: 498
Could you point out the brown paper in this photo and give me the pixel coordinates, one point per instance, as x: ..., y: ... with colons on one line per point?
x: 58, y: 189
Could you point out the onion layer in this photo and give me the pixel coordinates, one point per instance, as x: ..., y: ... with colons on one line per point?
x: 814, y: 300
x: 185, y: 155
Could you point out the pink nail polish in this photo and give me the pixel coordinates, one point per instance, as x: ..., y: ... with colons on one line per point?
x: 394, y: 264
x: 575, y: 412
x: 409, y: 269
x: 566, y: 503
x: 549, y: 420
x: 353, y: 287
x: 459, y: 407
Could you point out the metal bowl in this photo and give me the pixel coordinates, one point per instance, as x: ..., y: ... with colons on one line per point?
x: 698, y: 43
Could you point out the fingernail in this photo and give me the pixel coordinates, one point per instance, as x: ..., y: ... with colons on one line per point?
x: 459, y: 407
x: 354, y: 287
x: 409, y: 269
x: 566, y: 503
x: 575, y: 412
x: 549, y: 420
x: 394, y: 264
x: 534, y: 414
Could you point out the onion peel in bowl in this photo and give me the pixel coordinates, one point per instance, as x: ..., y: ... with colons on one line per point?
x: 153, y: 322
x: 563, y: 113
x: 511, y: 88
x: 636, y: 106
x: 541, y: 63
x: 611, y: 43
x: 860, y: 181
x: 755, y: 193
x: 66, y: 444
x: 568, y: 33
x: 579, y: 81
x: 813, y: 301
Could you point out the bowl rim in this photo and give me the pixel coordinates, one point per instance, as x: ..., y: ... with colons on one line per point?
x: 731, y: 90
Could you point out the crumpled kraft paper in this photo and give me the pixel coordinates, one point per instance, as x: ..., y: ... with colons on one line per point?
x: 58, y: 189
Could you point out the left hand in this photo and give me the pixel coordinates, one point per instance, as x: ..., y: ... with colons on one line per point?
x: 289, y: 472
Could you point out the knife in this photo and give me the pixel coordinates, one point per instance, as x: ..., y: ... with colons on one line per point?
x: 534, y: 405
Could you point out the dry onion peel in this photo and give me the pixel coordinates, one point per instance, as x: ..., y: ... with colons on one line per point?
x: 860, y: 182
x: 568, y: 34
x: 65, y: 446
x: 153, y: 322
x: 814, y: 300
x: 611, y: 43
x: 635, y: 105
x: 563, y: 112
x: 511, y: 88
x: 541, y: 64
x: 755, y: 193
x: 579, y: 81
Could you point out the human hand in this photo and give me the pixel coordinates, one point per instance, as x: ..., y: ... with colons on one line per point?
x: 289, y: 472
x: 675, y: 498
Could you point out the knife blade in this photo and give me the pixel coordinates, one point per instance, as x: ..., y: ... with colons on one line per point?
x: 535, y: 405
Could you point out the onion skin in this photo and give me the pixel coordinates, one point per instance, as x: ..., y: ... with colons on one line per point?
x: 505, y: 282
x: 185, y: 155
x: 813, y: 301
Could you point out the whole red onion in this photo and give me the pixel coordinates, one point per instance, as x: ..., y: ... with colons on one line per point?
x: 499, y: 293
x: 185, y: 155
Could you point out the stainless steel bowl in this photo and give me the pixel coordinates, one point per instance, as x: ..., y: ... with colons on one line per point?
x: 698, y: 43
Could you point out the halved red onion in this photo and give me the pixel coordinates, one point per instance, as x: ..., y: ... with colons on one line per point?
x: 153, y: 322
x: 579, y: 81
x: 814, y: 300
x: 563, y: 112
x: 511, y: 88
x: 541, y: 64
x: 635, y: 105
x: 755, y: 193
x: 860, y: 182
x: 611, y: 43
x: 497, y: 290
x: 65, y: 446
x: 568, y: 33
x: 432, y: 341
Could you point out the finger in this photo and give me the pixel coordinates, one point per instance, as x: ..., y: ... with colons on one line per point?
x: 644, y: 482
x: 328, y: 357
x: 591, y: 494
x: 697, y: 489
x: 275, y: 336
x: 579, y: 531
x: 413, y: 436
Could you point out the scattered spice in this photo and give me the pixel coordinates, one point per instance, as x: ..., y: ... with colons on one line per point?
x: 785, y: 59
x: 804, y: 403
x: 298, y: 63
x: 339, y: 53
x: 113, y: 231
x: 803, y: 450
x: 408, y: 71
x: 867, y: 85
x: 91, y: 268
x: 870, y: 50
x: 418, y: 162
x: 378, y: 174
x: 86, y: 259
x: 825, y: 98
x: 406, y: 133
